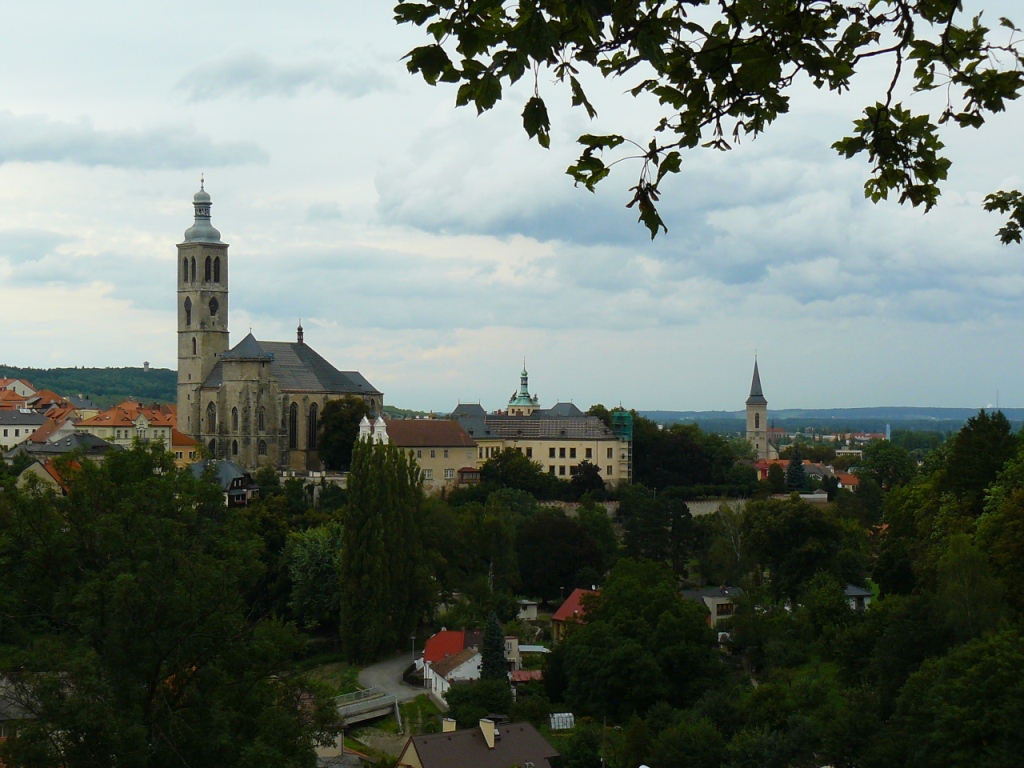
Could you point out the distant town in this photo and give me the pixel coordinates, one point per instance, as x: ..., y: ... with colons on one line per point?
x: 256, y: 549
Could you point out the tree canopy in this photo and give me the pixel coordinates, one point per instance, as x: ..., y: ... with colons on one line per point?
x: 722, y: 72
x: 129, y: 628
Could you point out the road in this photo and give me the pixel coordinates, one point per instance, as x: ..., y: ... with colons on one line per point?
x: 387, y: 676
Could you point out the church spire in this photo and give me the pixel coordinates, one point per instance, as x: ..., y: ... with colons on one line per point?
x: 756, y: 395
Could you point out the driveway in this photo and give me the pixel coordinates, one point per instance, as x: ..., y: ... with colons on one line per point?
x: 387, y: 676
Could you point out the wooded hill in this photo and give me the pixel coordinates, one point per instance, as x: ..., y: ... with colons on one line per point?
x: 104, y: 386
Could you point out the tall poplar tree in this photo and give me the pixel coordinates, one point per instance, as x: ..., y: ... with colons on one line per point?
x: 383, y: 579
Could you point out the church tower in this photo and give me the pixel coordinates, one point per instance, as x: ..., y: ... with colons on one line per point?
x: 202, y: 268
x: 522, y: 403
x: 757, y: 417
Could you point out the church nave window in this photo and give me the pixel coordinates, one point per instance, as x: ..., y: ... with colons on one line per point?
x: 211, y: 418
x: 234, y: 447
x: 188, y: 313
x: 261, y: 447
x: 314, y: 412
x: 234, y: 419
x: 293, y: 426
x: 261, y: 418
x: 216, y: 270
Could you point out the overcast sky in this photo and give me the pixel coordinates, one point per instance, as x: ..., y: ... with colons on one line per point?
x: 433, y: 250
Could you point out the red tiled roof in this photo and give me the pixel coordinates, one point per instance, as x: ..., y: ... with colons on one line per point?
x: 125, y: 414
x: 572, y: 608
x: 445, y: 643
x: 525, y: 675
x: 429, y: 433
x: 848, y: 480
x: 180, y: 438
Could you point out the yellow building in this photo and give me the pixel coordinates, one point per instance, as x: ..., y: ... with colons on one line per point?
x: 441, y: 447
x: 559, y: 438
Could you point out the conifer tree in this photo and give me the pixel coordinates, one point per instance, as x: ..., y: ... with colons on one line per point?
x: 492, y: 662
x: 382, y: 588
x: 795, y: 478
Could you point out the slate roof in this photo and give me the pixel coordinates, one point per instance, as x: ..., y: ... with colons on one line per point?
x: 562, y: 410
x: 432, y: 433
x: 698, y: 595
x: 226, y: 471
x: 90, y: 445
x: 297, y: 368
x: 537, y: 426
x: 756, y: 395
x: 19, y: 419
x: 855, y: 591
x: 517, y: 744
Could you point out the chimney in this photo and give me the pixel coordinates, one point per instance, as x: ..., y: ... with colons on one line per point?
x: 487, y: 728
x: 447, y: 725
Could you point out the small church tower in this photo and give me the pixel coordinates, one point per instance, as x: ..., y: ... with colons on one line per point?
x: 757, y: 417
x: 522, y: 403
x: 202, y: 268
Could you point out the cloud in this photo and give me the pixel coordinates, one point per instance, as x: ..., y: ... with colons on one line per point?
x: 38, y: 139
x: 253, y: 76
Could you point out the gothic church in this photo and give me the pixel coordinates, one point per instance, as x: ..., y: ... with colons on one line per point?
x: 256, y: 403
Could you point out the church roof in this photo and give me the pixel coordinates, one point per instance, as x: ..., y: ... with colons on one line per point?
x: 297, y: 368
x: 756, y: 395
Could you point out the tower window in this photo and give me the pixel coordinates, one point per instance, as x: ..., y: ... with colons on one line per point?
x: 234, y: 419
x: 188, y: 312
x: 184, y: 270
x: 214, y: 306
x: 193, y: 347
x: 757, y: 421
x: 261, y: 418
x: 208, y: 270
x: 211, y: 418
x: 314, y: 413
x: 216, y: 270
x: 293, y: 425
x: 193, y: 269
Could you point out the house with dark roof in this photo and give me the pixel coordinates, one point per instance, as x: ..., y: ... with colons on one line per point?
x: 82, y: 444
x: 237, y: 484
x: 441, y: 447
x: 17, y: 426
x: 559, y: 438
x: 720, y: 601
x: 257, y: 403
x: 490, y: 745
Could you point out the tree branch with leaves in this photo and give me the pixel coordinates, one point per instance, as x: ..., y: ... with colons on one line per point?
x: 723, y: 71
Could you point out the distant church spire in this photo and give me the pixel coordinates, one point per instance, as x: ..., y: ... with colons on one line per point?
x: 756, y: 395
x: 299, y: 332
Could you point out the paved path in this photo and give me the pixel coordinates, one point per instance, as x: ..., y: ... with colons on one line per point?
x: 387, y: 676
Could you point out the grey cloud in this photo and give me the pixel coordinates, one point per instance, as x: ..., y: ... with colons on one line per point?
x: 38, y: 139
x: 21, y: 247
x: 254, y: 76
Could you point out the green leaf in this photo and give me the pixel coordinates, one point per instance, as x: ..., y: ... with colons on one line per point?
x: 535, y: 121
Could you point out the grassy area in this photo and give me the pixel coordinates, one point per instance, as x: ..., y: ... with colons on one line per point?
x: 421, y: 715
x: 329, y: 668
